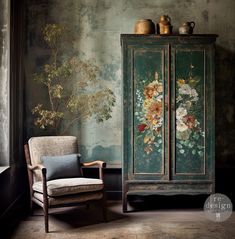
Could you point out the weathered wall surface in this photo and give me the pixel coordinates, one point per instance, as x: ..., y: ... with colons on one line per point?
x: 95, y: 27
x: 4, y: 82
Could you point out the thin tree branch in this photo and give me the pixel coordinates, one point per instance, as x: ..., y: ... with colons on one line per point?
x: 50, y: 96
x: 69, y: 125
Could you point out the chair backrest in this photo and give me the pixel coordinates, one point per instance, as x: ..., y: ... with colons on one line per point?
x: 50, y: 146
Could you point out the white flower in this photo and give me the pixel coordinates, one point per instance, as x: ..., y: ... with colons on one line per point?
x: 181, y: 126
x: 153, y: 83
x: 180, y: 113
x: 183, y: 135
x: 188, y: 104
x: 179, y: 98
x: 194, y: 94
x: 185, y: 89
x: 195, y: 99
x: 197, y: 123
x: 156, y: 75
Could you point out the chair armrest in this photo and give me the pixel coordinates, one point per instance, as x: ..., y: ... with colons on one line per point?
x: 39, y: 167
x: 36, y: 167
x: 101, y: 165
x: 31, y: 170
x: 44, y: 179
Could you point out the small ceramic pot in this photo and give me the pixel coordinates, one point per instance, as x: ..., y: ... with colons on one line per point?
x: 144, y: 26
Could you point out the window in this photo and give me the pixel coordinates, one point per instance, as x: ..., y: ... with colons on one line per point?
x: 4, y: 82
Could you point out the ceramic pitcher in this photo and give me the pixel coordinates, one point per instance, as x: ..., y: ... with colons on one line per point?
x: 187, y: 28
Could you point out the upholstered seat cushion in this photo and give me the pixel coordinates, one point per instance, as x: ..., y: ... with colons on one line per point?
x: 70, y: 199
x: 67, y: 186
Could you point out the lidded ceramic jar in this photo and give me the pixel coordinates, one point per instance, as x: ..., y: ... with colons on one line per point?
x: 144, y: 26
x: 164, y: 26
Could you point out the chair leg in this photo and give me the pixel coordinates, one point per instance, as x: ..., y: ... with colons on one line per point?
x: 31, y: 207
x: 45, y: 209
x: 104, y: 207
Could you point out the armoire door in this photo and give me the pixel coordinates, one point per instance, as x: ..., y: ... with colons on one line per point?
x: 192, y: 112
x: 145, y: 111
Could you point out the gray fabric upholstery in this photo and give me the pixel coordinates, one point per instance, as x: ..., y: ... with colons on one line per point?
x: 65, y: 166
x: 68, y: 186
x: 70, y: 199
x: 50, y: 146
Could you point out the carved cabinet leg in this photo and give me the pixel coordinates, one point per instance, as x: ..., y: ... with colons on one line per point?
x: 124, y: 202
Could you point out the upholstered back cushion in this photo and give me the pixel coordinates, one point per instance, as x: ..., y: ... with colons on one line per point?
x: 50, y: 146
x: 65, y: 166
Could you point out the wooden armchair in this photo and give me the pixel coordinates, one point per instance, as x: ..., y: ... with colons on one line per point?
x: 67, y: 190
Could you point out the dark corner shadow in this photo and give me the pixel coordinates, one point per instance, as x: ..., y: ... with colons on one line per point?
x: 163, y: 202
x: 225, y: 120
x: 225, y: 107
x: 81, y: 216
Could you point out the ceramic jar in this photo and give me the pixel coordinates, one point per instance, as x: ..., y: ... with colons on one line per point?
x: 187, y: 28
x: 144, y: 26
x: 164, y: 26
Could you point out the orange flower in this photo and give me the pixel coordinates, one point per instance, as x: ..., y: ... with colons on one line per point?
x: 149, y: 91
x: 150, y: 117
x: 156, y: 107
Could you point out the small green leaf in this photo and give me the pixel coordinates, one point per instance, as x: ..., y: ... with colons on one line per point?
x: 200, y: 153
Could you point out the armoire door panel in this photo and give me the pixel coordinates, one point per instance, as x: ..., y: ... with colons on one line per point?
x: 149, y: 120
x: 189, y: 117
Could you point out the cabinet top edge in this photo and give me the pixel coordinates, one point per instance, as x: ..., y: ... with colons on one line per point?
x: 158, y: 36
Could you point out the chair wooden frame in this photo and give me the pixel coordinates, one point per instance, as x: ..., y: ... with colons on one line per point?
x: 45, y: 205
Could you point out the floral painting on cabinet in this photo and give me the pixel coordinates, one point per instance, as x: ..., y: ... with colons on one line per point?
x: 188, y: 128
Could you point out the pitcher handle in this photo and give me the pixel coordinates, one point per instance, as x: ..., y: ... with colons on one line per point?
x: 192, y: 24
x: 169, y: 19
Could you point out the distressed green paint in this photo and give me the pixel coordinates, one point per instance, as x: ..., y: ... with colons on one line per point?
x: 185, y: 67
x: 148, y: 111
x: 190, y: 111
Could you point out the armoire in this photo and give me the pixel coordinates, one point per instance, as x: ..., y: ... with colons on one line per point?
x: 168, y: 114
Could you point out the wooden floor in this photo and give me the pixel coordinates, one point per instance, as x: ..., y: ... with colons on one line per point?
x: 83, y: 223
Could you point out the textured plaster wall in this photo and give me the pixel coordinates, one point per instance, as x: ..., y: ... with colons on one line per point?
x: 4, y: 83
x: 96, y: 25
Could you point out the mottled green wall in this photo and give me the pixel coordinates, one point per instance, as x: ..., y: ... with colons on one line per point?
x: 96, y: 26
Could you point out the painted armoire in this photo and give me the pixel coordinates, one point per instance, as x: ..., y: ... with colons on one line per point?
x: 168, y: 114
